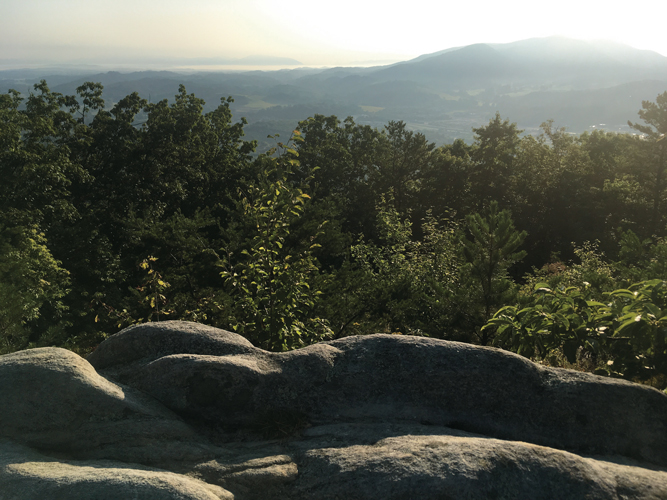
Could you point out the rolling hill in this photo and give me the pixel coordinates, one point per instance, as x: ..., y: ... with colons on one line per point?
x: 580, y: 84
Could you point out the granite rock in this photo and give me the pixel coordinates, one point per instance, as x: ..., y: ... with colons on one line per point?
x: 178, y: 410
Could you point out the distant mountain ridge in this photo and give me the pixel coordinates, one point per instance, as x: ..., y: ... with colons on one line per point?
x: 580, y: 84
x: 554, y: 59
x: 467, y: 64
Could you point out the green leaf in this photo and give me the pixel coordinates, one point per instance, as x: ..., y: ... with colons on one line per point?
x: 653, y: 309
x: 622, y: 293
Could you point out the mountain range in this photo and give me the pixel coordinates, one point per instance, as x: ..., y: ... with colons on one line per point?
x: 580, y: 84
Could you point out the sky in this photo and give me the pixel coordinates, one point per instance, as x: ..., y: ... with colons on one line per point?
x: 161, y: 33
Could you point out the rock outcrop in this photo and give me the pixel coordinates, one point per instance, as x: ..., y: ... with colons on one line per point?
x: 188, y: 411
x: 25, y: 474
x: 54, y: 400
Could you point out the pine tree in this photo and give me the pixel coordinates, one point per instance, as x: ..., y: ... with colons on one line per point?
x: 490, y: 253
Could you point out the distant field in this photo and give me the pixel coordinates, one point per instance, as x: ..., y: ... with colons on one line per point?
x: 371, y: 109
x: 519, y: 94
x: 256, y: 103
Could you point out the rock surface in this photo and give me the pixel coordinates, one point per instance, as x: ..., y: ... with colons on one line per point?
x: 54, y: 400
x: 462, y: 467
x: 141, y: 344
x: 361, y: 417
x: 409, y: 379
x: 26, y: 474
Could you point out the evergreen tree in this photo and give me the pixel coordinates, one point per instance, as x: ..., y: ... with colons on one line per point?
x: 655, y: 116
x: 490, y: 251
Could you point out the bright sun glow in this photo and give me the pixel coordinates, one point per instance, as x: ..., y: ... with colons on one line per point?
x: 316, y: 32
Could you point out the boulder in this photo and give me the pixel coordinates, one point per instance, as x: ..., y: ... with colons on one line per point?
x: 404, y: 461
x: 177, y: 410
x: 53, y: 400
x: 462, y: 466
x: 140, y: 344
x: 25, y: 474
x: 411, y: 379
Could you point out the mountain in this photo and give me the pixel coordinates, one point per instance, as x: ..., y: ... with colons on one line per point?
x: 471, y: 64
x: 554, y: 61
x: 580, y: 84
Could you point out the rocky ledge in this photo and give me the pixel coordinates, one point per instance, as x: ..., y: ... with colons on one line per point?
x: 181, y: 410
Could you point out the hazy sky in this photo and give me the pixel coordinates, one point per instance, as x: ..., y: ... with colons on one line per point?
x: 315, y: 32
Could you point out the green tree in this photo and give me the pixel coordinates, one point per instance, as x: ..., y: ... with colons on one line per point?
x: 407, y: 157
x: 271, y: 285
x: 165, y: 187
x: 654, y: 114
x: 342, y: 158
x: 559, y: 319
x: 150, y: 301
x: 445, y: 187
x: 496, y: 148
x: 30, y: 278
x: 555, y: 195
x: 640, y: 314
x: 35, y: 163
x: 37, y: 174
x: 640, y: 260
x: 404, y: 285
x: 90, y: 94
x: 490, y: 251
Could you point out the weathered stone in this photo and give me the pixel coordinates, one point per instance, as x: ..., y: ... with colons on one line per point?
x: 363, y: 417
x: 25, y: 474
x: 404, y: 461
x: 149, y: 341
x: 263, y: 477
x: 460, y: 468
x: 412, y: 379
x: 52, y: 399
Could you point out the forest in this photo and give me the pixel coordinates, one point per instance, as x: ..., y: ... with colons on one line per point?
x: 550, y: 245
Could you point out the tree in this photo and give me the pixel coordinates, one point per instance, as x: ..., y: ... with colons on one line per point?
x: 561, y: 319
x: 166, y: 188
x: 444, y: 185
x: 29, y: 278
x: 401, y: 169
x: 404, y: 285
x: 641, y: 260
x: 654, y: 114
x: 556, y: 194
x: 490, y: 251
x: 270, y: 285
x: 90, y: 94
x: 496, y: 148
x: 35, y: 165
x: 342, y: 158
x: 37, y: 175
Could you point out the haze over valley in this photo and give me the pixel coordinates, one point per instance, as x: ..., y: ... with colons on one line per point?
x: 581, y: 85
